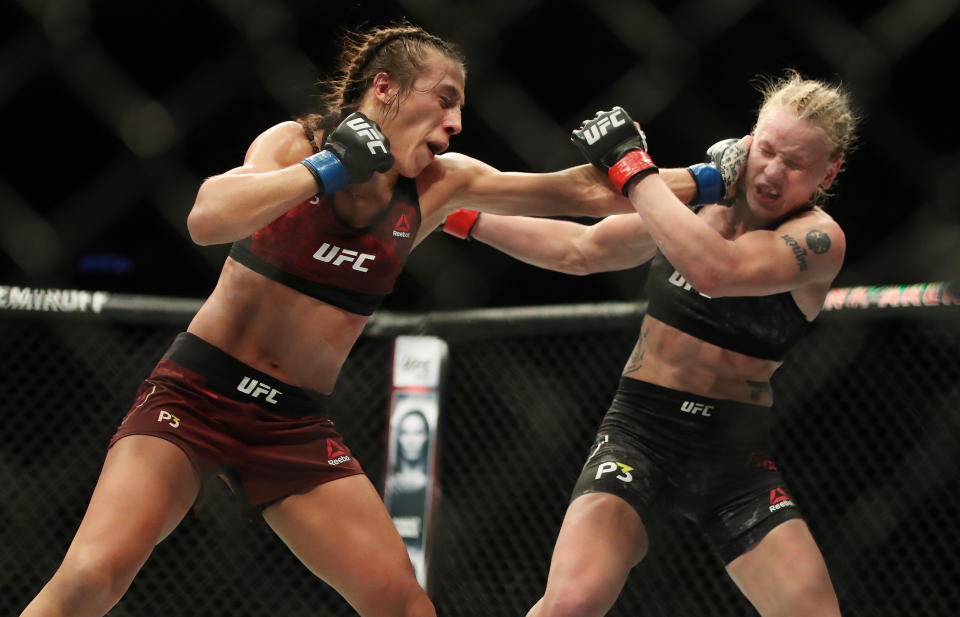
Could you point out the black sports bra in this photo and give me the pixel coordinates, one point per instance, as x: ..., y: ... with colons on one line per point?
x: 760, y: 326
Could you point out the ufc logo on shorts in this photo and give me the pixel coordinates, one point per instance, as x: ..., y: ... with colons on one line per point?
x: 326, y: 254
x: 255, y: 388
x: 172, y: 420
x: 696, y: 408
x: 599, y: 128
x: 365, y: 129
x: 610, y: 467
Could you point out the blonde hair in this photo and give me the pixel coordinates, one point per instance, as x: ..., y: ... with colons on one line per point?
x: 825, y: 106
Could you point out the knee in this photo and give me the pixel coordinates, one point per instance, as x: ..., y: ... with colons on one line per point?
x: 413, y: 603
x: 96, y: 577
x: 419, y: 606
x: 810, y: 595
x: 815, y: 598
x: 401, y: 597
x: 571, y: 601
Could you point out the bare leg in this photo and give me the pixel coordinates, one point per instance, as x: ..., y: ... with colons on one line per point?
x: 785, y: 575
x: 601, y: 539
x: 146, y: 487
x: 342, y: 532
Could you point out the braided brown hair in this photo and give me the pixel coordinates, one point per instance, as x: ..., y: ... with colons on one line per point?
x: 398, y: 50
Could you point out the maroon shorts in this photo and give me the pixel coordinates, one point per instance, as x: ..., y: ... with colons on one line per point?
x: 267, y: 439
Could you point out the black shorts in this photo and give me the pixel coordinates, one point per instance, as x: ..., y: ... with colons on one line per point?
x: 266, y: 439
x: 705, y: 459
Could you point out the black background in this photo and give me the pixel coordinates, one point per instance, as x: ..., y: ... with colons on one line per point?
x: 115, y: 111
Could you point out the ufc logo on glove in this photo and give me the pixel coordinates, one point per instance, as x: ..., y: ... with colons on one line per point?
x: 596, y: 129
x: 365, y: 129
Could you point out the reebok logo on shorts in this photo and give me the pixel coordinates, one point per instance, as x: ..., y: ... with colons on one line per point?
x: 779, y: 499
x: 336, y: 454
x: 255, y: 388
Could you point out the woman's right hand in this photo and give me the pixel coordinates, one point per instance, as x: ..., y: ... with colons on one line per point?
x: 351, y: 153
x: 613, y: 142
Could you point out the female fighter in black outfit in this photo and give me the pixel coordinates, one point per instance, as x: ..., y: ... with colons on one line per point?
x: 730, y: 290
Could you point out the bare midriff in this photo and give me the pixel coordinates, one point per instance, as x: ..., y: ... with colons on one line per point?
x: 277, y: 330
x: 673, y: 359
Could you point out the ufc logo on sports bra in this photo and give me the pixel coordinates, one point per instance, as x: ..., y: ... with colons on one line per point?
x: 679, y: 281
x: 598, y: 130
x: 365, y: 129
x: 328, y: 252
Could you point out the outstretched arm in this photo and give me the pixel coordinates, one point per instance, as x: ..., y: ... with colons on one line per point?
x: 457, y: 181
x: 616, y: 242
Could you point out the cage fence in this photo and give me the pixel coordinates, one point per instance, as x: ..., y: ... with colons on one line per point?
x: 867, y: 436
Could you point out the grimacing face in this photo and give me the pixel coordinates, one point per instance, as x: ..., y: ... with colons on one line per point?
x: 421, y: 126
x: 788, y: 161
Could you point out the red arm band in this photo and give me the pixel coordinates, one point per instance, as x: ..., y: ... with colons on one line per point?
x: 460, y: 222
x: 634, y: 164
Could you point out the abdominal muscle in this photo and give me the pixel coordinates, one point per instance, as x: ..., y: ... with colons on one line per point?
x: 668, y: 357
x: 277, y: 330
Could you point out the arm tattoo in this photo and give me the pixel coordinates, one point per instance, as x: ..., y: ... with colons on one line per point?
x: 798, y: 251
x: 758, y: 389
x: 635, y: 361
x: 818, y: 241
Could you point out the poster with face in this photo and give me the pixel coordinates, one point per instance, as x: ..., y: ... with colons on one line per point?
x: 411, y: 454
x: 411, y: 477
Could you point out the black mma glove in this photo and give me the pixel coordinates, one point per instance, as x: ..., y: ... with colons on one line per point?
x: 351, y: 153
x: 613, y: 142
